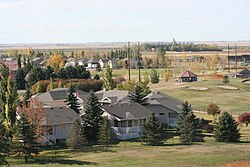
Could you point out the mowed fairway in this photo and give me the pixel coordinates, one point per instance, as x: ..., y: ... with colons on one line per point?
x: 127, y: 154
x: 233, y: 101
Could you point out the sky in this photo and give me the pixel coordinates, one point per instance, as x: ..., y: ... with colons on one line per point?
x: 82, y: 21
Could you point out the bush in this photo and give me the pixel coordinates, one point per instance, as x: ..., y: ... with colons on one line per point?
x: 81, y: 84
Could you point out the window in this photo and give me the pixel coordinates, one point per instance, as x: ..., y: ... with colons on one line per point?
x: 50, y: 130
x: 130, y: 123
x: 135, y: 122
x: 63, y: 126
x: 161, y: 113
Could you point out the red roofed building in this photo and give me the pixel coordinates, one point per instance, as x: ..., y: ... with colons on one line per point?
x: 188, y: 76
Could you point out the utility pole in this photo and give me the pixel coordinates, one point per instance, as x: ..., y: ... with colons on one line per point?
x: 236, y: 57
x: 139, y: 61
x: 228, y: 63
x: 128, y: 56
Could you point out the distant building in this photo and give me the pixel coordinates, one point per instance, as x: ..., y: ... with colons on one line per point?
x: 103, y: 62
x: 83, y: 62
x: 241, y: 58
x: 243, y: 74
x: 92, y: 63
x: 188, y: 76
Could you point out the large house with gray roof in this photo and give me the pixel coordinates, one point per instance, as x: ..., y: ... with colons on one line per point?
x: 112, y: 96
x: 57, y: 122
x: 127, y: 119
x: 166, y: 108
x: 56, y: 97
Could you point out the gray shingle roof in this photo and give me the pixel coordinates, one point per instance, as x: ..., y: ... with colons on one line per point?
x: 127, y: 110
x: 94, y: 60
x: 59, y: 94
x: 113, y: 95
x: 56, y: 116
x: 157, y: 98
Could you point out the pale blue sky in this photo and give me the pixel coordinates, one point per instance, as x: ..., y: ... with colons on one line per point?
x: 79, y: 21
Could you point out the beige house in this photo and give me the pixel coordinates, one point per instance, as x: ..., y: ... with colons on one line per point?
x: 57, y: 122
x: 127, y: 119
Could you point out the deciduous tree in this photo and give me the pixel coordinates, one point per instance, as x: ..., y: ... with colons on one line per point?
x: 76, y: 136
x: 244, y: 118
x: 214, y: 110
x: 108, y: 82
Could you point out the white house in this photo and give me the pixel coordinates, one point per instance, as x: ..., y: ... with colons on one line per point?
x: 92, y: 63
x: 103, y: 62
x: 113, y: 63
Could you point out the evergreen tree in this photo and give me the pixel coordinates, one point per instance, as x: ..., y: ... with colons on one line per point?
x: 26, y: 137
x: 97, y: 77
x: 71, y: 99
x: 153, y: 131
x: 4, y: 144
x: 225, y: 79
x: 76, y: 137
x: 108, y: 82
x: 98, y: 67
x: 19, y: 63
x: 27, y: 94
x: 36, y: 74
x: 27, y: 67
x: 106, y: 133
x: 92, y: 118
x: 188, y: 126
x: 226, y: 130
x: 20, y: 79
x: 154, y: 77
x: 138, y: 96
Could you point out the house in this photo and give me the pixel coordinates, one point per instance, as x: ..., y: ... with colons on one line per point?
x: 103, y: 62
x: 11, y: 64
x: 92, y: 63
x: 240, y: 58
x: 56, y: 97
x: 113, y: 63
x: 112, y: 96
x: 166, y: 108
x: 127, y: 119
x: 57, y: 122
x: 188, y: 76
x: 72, y: 63
x: 83, y: 62
x: 243, y: 74
x: 38, y: 61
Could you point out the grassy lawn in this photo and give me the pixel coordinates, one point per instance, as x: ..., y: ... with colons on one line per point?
x: 233, y: 101
x: 132, y: 153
